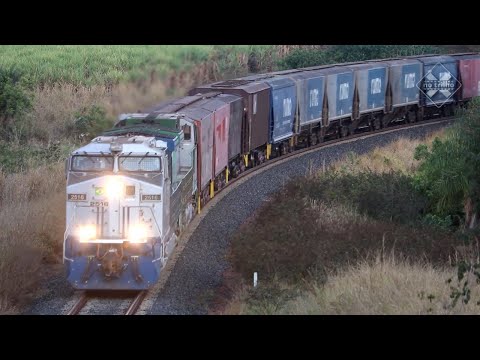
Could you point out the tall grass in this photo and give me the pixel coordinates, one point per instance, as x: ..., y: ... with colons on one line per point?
x: 97, y: 64
x: 381, y: 286
x: 397, y: 156
x: 32, y: 221
x: 108, y: 64
x: 65, y: 81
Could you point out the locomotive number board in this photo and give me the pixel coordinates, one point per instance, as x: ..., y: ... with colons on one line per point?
x: 77, y: 197
x: 154, y: 197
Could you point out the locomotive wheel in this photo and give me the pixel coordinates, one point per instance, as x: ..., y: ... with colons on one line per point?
x: 344, y: 131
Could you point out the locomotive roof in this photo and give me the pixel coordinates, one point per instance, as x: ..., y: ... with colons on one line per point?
x: 135, y: 144
x: 151, y: 125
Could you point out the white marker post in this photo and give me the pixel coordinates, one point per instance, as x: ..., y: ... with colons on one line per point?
x: 255, y: 279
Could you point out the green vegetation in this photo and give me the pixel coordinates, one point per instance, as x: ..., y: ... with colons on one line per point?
x: 348, y: 53
x: 109, y: 64
x: 449, y: 177
x: 96, y: 64
x: 450, y: 172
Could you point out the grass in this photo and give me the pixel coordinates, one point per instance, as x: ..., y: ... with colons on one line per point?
x: 97, y: 64
x: 108, y: 64
x: 32, y: 219
x: 334, y: 243
x: 65, y: 81
x: 398, y: 156
x: 381, y: 286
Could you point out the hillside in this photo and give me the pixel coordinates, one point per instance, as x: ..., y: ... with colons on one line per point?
x: 382, y: 233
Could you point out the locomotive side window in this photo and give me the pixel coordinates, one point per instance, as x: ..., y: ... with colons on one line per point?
x: 187, y: 132
x: 92, y: 163
x: 139, y: 163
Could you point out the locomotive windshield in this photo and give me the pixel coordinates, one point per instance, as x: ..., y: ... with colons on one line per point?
x: 92, y: 163
x: 139, y: 163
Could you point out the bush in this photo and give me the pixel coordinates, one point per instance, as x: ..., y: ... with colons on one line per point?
x: 90, y: 122
x: 14, y: 101
x: 385, y: 196
x: 450, y: 172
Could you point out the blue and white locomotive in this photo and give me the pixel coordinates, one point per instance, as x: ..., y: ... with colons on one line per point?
x: 129, y: 195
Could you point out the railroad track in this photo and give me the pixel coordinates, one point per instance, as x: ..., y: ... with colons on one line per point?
x: 143, y: 301
x: 86, y: 297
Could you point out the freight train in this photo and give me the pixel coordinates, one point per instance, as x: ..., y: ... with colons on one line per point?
x: 133, y: 190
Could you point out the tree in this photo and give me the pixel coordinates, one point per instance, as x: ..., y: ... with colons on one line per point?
x: 450, y: 173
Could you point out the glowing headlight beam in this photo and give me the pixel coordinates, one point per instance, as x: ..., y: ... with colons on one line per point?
x: 114, y: 187
x: 86, y: 233
x: 137, y: 233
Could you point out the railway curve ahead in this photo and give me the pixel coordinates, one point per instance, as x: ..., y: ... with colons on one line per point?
x: 193, y: 274
x: 191, y: 279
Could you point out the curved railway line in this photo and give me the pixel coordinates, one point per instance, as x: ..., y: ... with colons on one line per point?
x: 143, y: 302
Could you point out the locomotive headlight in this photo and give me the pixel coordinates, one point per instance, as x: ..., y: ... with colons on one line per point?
x: 114, y: 187
x: 137, y: 233
x: 86, y: 233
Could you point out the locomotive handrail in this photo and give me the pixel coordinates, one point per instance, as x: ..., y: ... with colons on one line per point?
x: 65, y: 235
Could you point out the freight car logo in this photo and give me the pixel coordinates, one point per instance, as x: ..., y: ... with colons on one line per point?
x: 439, y: 88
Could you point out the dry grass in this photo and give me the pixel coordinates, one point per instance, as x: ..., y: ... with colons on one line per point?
x: 32, y: 221
x: 397, y: 156
x: 387, y: 287
x: 55, y: 106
